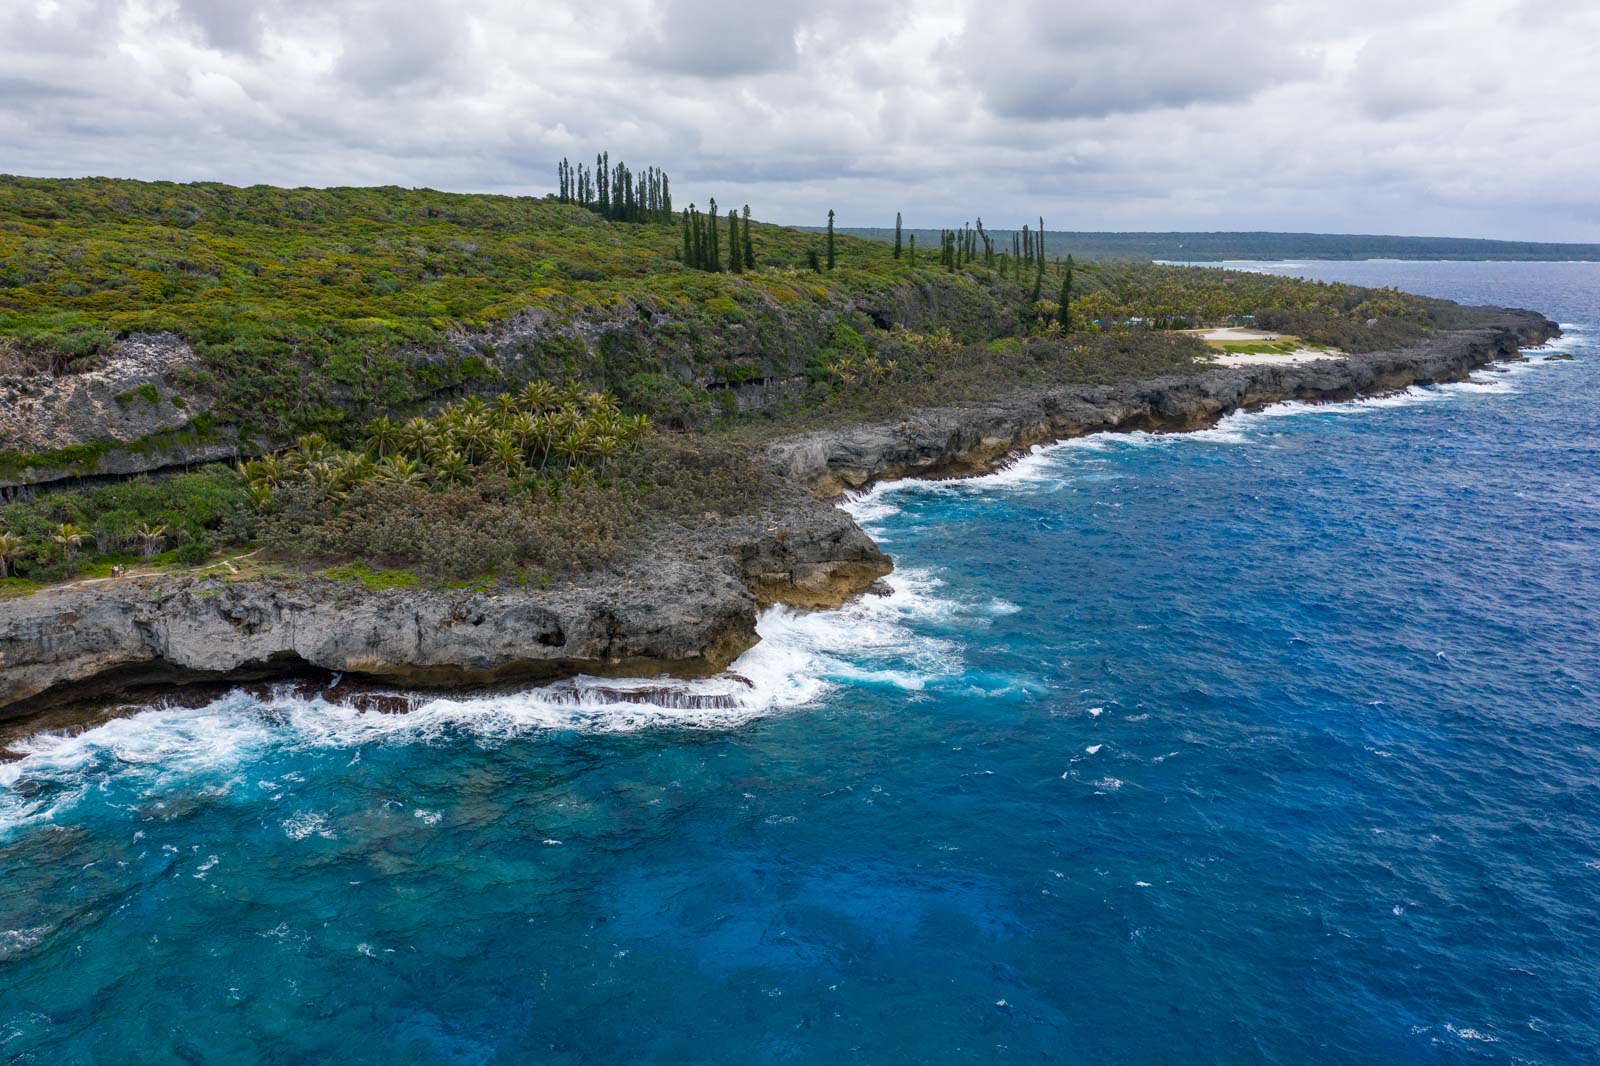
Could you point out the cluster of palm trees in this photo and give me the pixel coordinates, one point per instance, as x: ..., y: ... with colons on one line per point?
x: 540, y: 432
x: 70, y: 538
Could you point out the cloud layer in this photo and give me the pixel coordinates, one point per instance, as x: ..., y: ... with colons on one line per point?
x: 1454, y: 117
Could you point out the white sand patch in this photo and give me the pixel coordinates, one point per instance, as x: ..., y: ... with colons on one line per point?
x: 1299, y: 355
x: 1228, y: 333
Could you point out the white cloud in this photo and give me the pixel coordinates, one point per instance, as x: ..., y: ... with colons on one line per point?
x: 1477, y: 117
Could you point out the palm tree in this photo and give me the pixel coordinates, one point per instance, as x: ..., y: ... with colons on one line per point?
x: 417, y: 436
x: 449, y: 468
x: 70, y: 537
x: 325, y: 476
x: 472, y: 436
x: 472, y: 405
x: 505, y: 405
x: 605, y: 447
x: 11, y: 547
x: 524, y: 429
x: 397, y: 470
x: 152, y: 536
x: 312, y: 448
x: 571, y: 446
x: 382, y: 435
x: 539, y: 396
x: 545, y: 437
x: 505, y: 455
x: 354, y: 468
x: 267, y: 470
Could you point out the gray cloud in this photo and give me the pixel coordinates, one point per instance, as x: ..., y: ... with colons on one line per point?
x: 228, y: 26
x: 1477, y: 118
x: 1061, y: 61
x: 717, y: 38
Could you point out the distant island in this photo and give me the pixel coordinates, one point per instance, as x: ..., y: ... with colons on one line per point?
x: 1221, y: 246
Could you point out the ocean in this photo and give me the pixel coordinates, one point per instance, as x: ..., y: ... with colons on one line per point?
x: 1277, y: 742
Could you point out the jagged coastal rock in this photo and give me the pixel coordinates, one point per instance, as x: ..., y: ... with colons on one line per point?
x: 972, y: 438
x: 688, y: 604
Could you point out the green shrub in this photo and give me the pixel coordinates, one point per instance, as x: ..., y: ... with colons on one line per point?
x: 204, y: 510
x: 146, y: 392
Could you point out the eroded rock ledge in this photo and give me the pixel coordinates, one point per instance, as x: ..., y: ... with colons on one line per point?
x: 959, y: 441
x: 687, y: 605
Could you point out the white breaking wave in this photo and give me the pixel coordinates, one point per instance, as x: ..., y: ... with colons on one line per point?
x: 1041, y: 464
x: 875, y: 640
x: 800, y: 658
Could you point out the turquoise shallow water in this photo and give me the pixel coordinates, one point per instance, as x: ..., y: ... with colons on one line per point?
x: 1274, y: 743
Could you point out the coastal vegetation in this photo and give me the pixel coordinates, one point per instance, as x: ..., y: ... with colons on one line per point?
x: 458, y: 385
x: 1215, y: 247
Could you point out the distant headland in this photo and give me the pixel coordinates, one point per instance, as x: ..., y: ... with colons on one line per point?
x: 1222, y: 246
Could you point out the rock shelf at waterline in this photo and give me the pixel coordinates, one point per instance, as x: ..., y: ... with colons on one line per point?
x: 687, y: 609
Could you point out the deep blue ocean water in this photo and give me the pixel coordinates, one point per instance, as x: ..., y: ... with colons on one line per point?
x: 1278, y: 742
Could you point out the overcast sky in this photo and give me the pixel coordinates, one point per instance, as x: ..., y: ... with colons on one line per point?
x: 1438, y: 117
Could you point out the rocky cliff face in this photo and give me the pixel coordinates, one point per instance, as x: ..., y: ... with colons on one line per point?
x: 137, y: 409
x: 129, y: 411
x: 963, y: 440
x: 685, y: 604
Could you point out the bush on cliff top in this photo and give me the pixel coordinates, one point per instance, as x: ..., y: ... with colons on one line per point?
x: 315, y: 309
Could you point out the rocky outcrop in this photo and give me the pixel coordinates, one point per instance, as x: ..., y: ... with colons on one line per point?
x: 752, y: 355
x: 687, y: 602
x: 131, y: 410
x: 973, y: 438
x: 686, y: 606
x: 140, y: 408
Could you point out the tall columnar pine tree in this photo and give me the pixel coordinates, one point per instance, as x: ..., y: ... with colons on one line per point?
x: 1038, y: 280
x: 897, y: 235
x: 1066, y: 294
x: 749, y: 249
x: 688, y: 240
x: 830, y: 239
x: 616, y: 192
x: 913, y: 249
x: 735, y: 245
x: 713, y: 240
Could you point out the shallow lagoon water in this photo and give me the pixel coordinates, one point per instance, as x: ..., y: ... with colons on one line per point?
x: 1278, y: 742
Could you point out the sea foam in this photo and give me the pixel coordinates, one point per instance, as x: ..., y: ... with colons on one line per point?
x: 876, y: 640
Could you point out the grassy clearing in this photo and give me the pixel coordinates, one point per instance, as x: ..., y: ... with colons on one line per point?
x: 1281, y: 346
